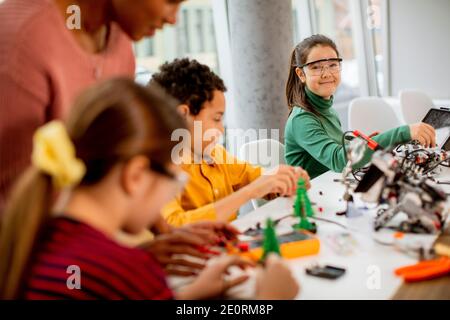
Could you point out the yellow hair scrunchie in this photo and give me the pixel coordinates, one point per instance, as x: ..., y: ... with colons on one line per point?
x: 54, y: 154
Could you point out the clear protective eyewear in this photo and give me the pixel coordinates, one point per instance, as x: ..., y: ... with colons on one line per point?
x: 317, y: 68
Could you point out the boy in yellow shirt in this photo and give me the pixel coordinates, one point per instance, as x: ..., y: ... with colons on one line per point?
x: 219, y: 184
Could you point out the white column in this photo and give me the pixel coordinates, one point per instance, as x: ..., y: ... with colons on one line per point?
x: 261, y: 41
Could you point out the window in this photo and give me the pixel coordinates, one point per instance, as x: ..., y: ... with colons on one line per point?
x: 183, y: 32
x: 295, y: 22
x: 145, y: 48
x: 334, y: 19
x: 374, y: 25
x: 210, y: 36
x: 199, y: 26
x: 302, y: 20
x: 193, y: 36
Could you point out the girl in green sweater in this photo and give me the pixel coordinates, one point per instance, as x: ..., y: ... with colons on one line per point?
x: 313, y: 133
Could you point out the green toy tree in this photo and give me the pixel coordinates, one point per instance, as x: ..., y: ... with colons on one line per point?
x: 303, y: 208
x: 270, y: 243
x: 302, y: 202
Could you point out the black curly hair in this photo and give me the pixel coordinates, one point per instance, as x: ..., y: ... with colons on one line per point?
x: 191, y: 82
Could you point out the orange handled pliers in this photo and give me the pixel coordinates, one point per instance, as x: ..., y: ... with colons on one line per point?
x: 425, y: 270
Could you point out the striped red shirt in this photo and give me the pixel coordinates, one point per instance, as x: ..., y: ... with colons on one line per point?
x: 107, y: 270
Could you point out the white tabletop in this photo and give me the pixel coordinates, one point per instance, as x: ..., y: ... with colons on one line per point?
x: 369, y: 268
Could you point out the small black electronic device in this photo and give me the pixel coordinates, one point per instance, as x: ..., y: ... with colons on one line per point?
x: 327, y: 272
x: 439, y: 119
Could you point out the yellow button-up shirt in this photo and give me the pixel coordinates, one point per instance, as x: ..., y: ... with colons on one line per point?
x: 209, y: 182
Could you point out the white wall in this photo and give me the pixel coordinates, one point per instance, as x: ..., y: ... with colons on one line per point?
x: 420, y: 46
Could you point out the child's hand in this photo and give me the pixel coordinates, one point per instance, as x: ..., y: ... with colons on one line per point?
x: 214, y: 230
x: 161, y: 226
x: 210, y: 282
x: 301, y: 173
x: 281, y: 180
x: 163, y: 248
x: 424, y: 133
x: 275, y: 281
x: 209, y: 231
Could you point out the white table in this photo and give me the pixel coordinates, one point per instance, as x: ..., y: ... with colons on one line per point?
x: 369, y: 269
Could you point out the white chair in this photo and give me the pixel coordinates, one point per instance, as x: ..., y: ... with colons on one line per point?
x: 266, y: 153
x: 414, y: 105
x: 371, y: 114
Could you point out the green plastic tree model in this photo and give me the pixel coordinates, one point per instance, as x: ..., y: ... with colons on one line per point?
x: 302, y: 202
x: 270, y: 243
x: 303, y: 208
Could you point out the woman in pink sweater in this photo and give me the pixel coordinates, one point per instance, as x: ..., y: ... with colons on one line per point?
x: 44, y: 64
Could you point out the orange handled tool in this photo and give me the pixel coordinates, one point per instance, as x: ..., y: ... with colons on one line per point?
x: 372, y: 144
x: 425, y: 270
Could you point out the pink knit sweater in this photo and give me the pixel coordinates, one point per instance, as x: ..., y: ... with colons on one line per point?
x: 42, y: 70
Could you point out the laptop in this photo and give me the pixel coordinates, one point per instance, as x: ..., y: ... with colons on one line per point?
x: 439, y: 119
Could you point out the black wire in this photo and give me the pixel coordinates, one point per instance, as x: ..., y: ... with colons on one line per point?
x: 356, y: 171
x: 343, y: 144
x: 360, y: 170
x: 409, y: 154
x: 412, y: 159
x: 400, y: 145
x: 330, y: 221
x: 420, y: 150
x: 429, y: 154
x: 355, y: 176
x: 439, y: 163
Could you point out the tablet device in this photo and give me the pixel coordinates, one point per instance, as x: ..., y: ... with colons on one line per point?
x: 439, y: 119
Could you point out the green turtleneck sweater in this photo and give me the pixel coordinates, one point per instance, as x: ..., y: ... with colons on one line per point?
x: 315, y: 142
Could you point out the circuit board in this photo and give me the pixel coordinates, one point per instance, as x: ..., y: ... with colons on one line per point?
x: 292, y: 245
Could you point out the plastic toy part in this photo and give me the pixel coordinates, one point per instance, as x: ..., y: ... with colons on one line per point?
x: 303, y: 209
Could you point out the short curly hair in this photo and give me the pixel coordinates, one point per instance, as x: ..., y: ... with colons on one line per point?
x: 189, y: 81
